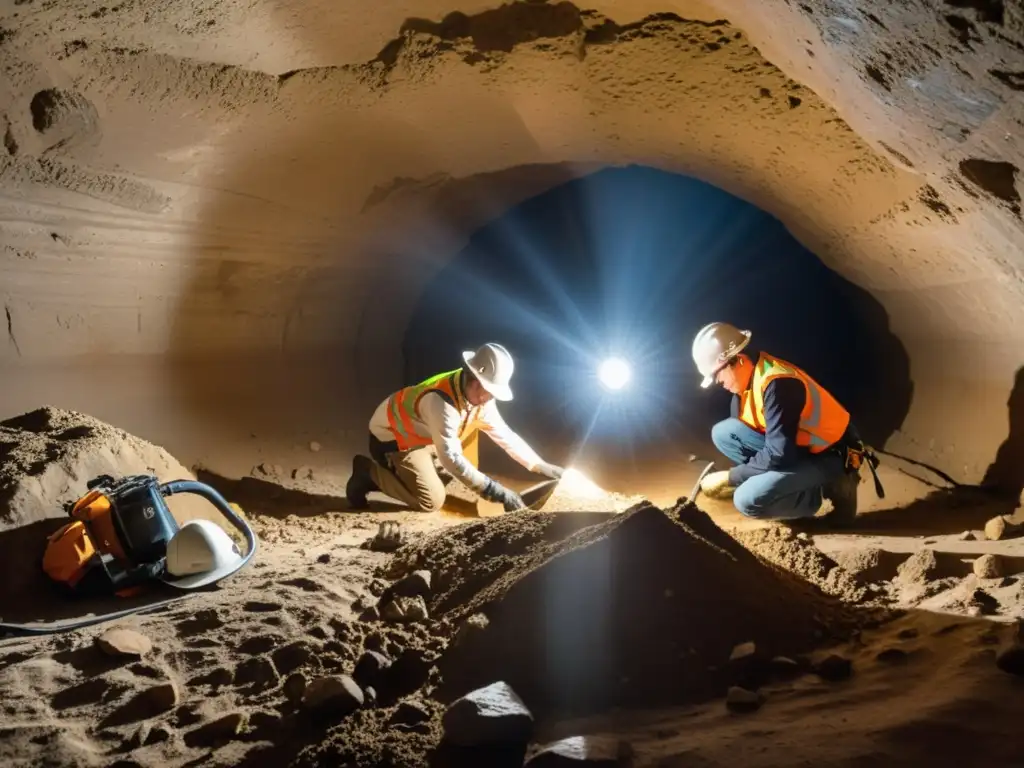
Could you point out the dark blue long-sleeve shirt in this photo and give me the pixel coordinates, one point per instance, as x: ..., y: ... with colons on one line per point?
x: 783, y: 403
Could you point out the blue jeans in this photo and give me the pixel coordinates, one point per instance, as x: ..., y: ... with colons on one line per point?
x: 785, y: 495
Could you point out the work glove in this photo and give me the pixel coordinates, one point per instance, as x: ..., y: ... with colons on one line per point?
x: 716, y: 485
x: 496, y: 492
x: 552, y: 471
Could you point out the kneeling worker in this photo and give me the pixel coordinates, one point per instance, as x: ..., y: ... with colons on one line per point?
x: 792, y: 442
x: 436, y: 416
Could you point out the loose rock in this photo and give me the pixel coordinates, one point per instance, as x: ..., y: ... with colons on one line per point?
x: 369, y: 668
x: 415, y: 584
x: 967, y: 536
x: 490, y: 715
x: 785, y: 668
x: 833, y: 668
x: 1003, y: 527
x: 338, y: 695
x: 741, y: 700
x: 124, y: 642
x: 595, y: 751
x: 988, y: 567
x: 405, y: 609
x: 324, y: 559
x: 742, y: 651
x: 314, y: 446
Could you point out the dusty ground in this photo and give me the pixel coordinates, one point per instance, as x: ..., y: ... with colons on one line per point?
x: 637, y: 614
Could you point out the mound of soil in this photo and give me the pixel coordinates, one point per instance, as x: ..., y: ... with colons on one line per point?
x: 48, y: 455
x: 642, y: 610
x: 781, y: 547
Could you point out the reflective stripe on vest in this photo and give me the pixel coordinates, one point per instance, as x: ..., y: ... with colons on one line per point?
x: 403, y: 408
x: 823, y: 420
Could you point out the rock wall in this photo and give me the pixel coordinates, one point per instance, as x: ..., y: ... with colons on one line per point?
x: 246, y: 179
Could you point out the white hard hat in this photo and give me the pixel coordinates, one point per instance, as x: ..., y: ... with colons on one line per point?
x: 200, y: 553
x: 714, y: 346
x: 492, y: 365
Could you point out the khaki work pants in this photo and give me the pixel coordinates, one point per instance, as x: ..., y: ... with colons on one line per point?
x: 413, y: 479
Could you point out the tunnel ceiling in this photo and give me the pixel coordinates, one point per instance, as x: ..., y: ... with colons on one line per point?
x: 183, y: 179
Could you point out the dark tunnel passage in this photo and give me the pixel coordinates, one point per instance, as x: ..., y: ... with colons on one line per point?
x: 631, y: 262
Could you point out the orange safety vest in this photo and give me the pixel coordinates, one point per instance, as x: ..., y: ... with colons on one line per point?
x: 823, y: 420
x: 403, y: 410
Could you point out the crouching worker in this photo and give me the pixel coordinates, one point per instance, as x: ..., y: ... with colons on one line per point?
x: 435, y: 417
x: 792, y: 442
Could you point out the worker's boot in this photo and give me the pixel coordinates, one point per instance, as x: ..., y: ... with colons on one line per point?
x: 842, y: 493
x: 360, y: 483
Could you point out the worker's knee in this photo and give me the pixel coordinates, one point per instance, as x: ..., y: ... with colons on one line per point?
x: 758, y: 498
x: 430, y: 496
x: 724, y: 435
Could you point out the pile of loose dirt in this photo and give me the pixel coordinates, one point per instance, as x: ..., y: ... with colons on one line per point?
x: 796, y: 553
x: 640, y: 610
x: 48, y: 455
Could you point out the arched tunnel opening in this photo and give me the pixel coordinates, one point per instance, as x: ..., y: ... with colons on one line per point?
x: 629, y: 263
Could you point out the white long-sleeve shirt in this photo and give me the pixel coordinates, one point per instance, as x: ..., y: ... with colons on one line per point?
x: 442, y: 421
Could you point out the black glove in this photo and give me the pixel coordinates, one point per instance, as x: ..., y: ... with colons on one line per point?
x: 498, y: 493
x: 553, y: 471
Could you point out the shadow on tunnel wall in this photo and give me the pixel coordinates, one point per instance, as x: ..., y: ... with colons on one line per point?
x: 1005, y: 475
x: 633, y: 261
x: 293, y: 243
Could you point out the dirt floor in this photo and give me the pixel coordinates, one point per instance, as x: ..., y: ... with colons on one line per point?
x: 669, y: 629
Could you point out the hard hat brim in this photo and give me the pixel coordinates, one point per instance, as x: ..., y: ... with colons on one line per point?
x: 197, y: 580
x: 503, y: 393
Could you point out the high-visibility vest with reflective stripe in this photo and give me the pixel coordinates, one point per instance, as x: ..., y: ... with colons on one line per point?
x: 403, y: 413
x: 823, y: 420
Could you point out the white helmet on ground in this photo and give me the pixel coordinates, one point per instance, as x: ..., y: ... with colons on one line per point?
x: 714, y: 346
x: 492, y: 365
x: 200, y: 553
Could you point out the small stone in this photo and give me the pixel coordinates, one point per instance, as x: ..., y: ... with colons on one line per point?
x: 988, y: 567
x: 415, y: 584
x: 294, y: 687
x: 742, y: 651
x: 405, y: 610
x: 490, y: 715
x: 967, y: 536
x: 290, y: 657
x: 833, y: 668
x: 741, y: 700
x: 1003, y: 527
x: 324, y: 559
x: 1011, y: 660
x: 124, y: 642
x: 339, y: 695
x: 804, y: 537
x: 369, y: 667
x: 377, y: 587
x: 692, y: 457
x: 219, y: 731
x: 314, y: 446
x: 410, y: 713
x: 370, y: 695
x: 595, y: 751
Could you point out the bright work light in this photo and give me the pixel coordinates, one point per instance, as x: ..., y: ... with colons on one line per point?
x: 614, y: 373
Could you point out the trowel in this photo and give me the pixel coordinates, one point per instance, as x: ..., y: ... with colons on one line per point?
x: 534, y: 497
